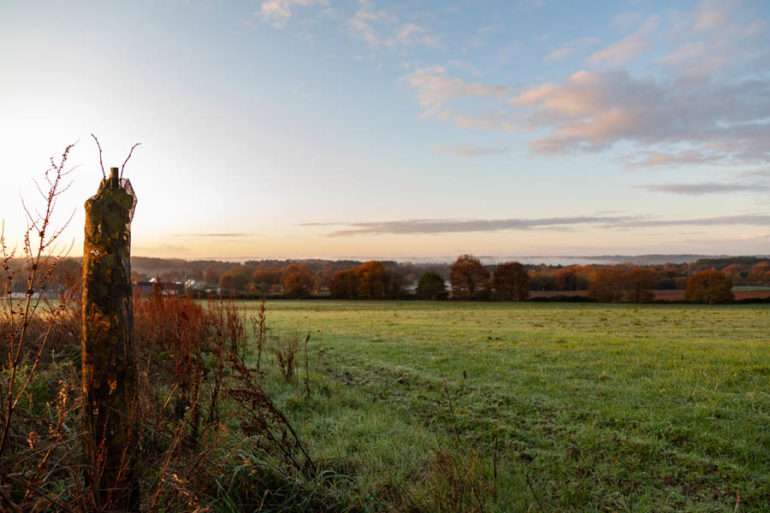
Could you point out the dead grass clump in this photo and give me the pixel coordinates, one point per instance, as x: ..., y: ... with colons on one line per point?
x: 457, y: 482
x: 286, y: 356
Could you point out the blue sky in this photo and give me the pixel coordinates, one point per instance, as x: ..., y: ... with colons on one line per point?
x: 302, y: 128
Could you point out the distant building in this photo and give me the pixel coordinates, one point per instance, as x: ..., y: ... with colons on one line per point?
x: 147, y: 288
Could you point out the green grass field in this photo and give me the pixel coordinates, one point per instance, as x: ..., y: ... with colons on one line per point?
x: 534, y: 407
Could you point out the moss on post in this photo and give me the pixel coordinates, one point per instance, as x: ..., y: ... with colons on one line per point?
x: 108, y: 359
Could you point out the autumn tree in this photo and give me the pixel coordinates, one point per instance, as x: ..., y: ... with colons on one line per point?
x: 622, y: 283
x: 431, y: 286
x: 543, y: 279
x: 265, y: 279
x: 235, y: 279
x: 468, y: 277
x: 297, y: 281
x: 565, y: 279
x: 344, y: 284
x: 571, y: 278
x: 511, y: 282
x: 760, y: 272
x: 639, y: 284
x: 375, y: 281
x: 372, y: 280
x: 604, y: 285
x: 737, y: 272
x: 710, y: 287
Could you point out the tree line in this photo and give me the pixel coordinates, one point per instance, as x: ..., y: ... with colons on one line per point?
x: 467, y: 278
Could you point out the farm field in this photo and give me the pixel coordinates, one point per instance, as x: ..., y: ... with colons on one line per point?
x: 533, y: 407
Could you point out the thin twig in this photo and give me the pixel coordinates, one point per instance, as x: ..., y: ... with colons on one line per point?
x: 101, y: 163
x: 130, y: 153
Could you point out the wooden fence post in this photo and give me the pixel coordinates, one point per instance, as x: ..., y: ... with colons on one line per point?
x: 108, y: 359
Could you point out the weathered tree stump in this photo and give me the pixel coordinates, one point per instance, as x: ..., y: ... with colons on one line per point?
x: 108, y: 359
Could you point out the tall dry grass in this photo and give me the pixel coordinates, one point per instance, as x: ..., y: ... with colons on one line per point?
x: 203, y: 414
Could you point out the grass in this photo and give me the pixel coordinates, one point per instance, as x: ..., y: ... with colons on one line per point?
x: 555, y: 407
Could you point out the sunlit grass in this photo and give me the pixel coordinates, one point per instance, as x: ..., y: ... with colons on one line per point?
x: 616, y: 408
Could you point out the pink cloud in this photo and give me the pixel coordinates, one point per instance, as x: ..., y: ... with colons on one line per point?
x: 627, y: 48
x: 595, y: 110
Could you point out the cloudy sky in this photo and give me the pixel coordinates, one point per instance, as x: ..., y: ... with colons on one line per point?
x: 366, y: 128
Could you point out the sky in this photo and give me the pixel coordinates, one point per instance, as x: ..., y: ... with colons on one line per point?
x: 400, y: 129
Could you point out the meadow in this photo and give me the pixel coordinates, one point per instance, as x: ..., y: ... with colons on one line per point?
x: 455, y: 406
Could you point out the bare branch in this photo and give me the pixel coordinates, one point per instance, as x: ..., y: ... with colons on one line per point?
x: 130, y: 153
x: 101, y: 163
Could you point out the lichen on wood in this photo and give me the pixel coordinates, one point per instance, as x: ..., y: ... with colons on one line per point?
x: 108, y: 359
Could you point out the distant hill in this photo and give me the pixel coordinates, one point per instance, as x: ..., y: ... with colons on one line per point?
x: 151, y: 266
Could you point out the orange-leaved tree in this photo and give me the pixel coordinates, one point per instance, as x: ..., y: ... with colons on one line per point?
x: 469, y: 278
x: 710, y: 287
x: 623, y: 283
x: 511, y: 282
x: 375, y: 281
x: 344, y: 284
x: 297, y: 281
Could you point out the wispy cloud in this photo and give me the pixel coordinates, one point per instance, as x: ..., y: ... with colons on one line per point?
x: 438, y: 92
x: 444, y: 226
x: 469, y: 150
x: 220, y: 235
x: 674, y: 158
x: 735, y: 220
x: 381, y: 28
x: 759, y: 174
x: 159, y: 249
x: 435, y: 88
x: 560, y: 53
x: 627, y: 48
x: 716, y: 36
x: 571, y: 47
x: 712, y: 14
x: 278, y: 12
x: 704, y: 188
x: 428, y: 226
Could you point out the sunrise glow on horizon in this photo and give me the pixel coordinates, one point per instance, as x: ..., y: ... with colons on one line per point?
x: 405, y: 129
